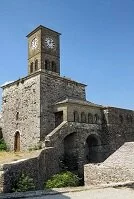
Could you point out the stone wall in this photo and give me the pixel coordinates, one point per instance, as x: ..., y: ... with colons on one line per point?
x: 97, y: 175
x: 40, y: 168
x: 75, y: 135
x: 21, y: 112
x: 1, y: 125
x: 118, y: 126
x: 119, y: 167
x: 54, y: 89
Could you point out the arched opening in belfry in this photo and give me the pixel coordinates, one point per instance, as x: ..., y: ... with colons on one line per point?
x: 36, y: 64
x: 31, y: 67
x: 53, y: 66
x: 17, y: 142
x: 71, y: 152
x: 92, y: 149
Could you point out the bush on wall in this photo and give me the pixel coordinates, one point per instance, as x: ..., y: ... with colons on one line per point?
x: 24, y: 183
x: 64, y: 179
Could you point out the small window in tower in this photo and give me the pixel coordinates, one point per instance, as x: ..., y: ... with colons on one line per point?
x: 36, y: 64
x: 47, y: 64
x: 17, y: 115
x: 31, y: 67
x: 53, y: 66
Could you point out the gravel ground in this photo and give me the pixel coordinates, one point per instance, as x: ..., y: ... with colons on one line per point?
x: 105, y: 193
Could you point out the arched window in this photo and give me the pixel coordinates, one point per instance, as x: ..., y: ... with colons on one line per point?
x: 96, y: 118
x: 90, y: 118
x: 17, y: 115
x: 53, y: 66
x: 36, y: 64
x: 31, y: 67
x: 83, y: 117
x: 76, y: 116
x: 47, y: 64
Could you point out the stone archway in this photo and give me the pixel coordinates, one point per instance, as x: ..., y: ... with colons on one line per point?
x: 17, y: 142
x: 92, y: 149
x: 71, y: 152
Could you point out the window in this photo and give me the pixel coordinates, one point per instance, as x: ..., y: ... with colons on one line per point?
x: 47, y: 64
x: 90, y: 118
x: 17, y: 115
x: 53, y: 66
x: 83, y: 117
x: 76, y: 116
x: 36, y: 64
x: 31, y: 67
x: 96, y: 118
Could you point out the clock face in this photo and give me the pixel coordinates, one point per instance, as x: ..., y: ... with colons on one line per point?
x: 34, y: 43
x: 49, y: 43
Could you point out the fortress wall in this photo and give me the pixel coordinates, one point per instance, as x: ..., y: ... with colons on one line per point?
x: 23, y: 98
x: 40, y: 168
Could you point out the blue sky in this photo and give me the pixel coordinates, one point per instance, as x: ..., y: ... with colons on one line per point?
x: 97, y: 43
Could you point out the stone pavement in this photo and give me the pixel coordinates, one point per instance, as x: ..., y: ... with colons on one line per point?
x: 106, y: 193
x: 111, y: 191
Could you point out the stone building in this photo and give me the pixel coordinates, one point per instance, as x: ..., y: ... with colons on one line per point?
x: 45, y: 109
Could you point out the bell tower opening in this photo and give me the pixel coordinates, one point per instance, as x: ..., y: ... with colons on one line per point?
x: 44, y: 51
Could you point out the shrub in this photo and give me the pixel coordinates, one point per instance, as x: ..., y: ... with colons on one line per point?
x: 64, y: 179
x: 3, y: 146
x: 35, y: 147
x: 24, y: 183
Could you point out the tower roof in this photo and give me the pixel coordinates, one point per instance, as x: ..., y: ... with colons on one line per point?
x: 41, y: 27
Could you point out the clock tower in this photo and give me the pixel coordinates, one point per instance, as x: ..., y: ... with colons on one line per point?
x: 43, y: 50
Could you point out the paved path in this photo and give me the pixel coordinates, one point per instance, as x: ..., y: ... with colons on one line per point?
x: 105, y: 193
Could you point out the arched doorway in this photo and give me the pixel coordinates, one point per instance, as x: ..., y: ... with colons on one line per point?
x: 92, y: 149
x: 71, y: 152
x: 17, y: 142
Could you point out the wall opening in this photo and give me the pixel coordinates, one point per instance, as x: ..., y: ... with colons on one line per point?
x: 31, y: 67
x: 53, y: 66
x: 76, y: 116
x: 71, y: 152
x: 36, y: 64
x: 58, y: 118
x: 47, y: 64
x: 17, y: 142
x: 92, y: 152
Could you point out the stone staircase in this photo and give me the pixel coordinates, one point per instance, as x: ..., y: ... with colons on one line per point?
x: 53, y: 136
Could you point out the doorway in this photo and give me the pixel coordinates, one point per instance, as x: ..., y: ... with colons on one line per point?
x: 92, y: 149
x: 58, y: 118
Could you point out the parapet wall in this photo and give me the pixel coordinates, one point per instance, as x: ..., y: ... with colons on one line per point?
x: 40, y: 168
x: 97, y: 174
x: 119, y: 167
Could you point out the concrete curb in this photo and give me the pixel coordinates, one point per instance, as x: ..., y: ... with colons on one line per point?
x: 55, y: 191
